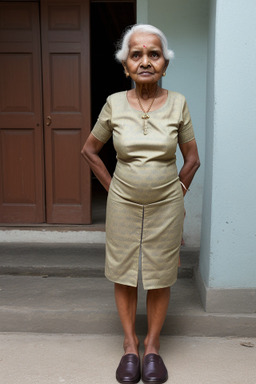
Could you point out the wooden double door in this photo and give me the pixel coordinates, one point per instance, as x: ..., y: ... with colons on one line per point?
x: 44, y: 112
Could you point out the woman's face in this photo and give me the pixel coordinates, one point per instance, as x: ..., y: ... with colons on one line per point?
x: 145, y: 62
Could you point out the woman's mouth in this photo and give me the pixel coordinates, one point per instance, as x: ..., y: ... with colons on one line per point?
x: 145, y: 73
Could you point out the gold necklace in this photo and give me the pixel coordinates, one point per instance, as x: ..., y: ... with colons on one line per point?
x: 145, y: 117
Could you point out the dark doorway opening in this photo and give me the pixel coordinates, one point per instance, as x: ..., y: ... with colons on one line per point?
x: 108, y: 21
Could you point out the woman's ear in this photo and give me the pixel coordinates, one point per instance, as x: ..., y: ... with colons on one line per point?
x: 165, y: 68
x: 125, y: 69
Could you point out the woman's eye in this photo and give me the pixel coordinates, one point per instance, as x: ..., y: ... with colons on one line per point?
x: 154, y: 54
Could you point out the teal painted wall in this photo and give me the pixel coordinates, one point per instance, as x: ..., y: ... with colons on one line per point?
x: 228, y: 252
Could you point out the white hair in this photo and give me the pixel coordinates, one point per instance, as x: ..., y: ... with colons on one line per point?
x: 123, y: 46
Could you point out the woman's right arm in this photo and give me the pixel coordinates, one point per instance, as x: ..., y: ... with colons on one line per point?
x: 90, y: 152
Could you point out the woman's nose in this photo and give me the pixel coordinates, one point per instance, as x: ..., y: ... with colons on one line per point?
x: 144, y: 61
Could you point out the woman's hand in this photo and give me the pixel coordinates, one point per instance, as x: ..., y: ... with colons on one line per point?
x: 191, y: 163
x: 90, y: 152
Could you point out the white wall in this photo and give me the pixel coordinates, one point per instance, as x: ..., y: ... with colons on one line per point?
x: 185, y: 24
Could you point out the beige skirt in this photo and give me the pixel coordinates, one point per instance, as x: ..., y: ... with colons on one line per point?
x: 150, y: 231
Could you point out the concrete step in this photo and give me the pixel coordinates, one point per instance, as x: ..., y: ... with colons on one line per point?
x: 58, y: 287
x: 65, y: 259
x: 86, y: 306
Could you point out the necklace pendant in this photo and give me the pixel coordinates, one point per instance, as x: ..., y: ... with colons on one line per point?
x: 145, y: 128
x: 145, y: 116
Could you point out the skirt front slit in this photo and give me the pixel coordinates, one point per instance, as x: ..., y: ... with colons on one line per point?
x: 151, y: 230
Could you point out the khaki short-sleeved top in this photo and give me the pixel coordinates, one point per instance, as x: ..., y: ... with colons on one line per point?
x: 145, y: 208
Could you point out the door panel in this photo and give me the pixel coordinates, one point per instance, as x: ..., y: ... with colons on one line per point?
x: 19, y: 159
x: 16, y: 69
x: 65, y: 70
x: 66, y: 63
x: 66, y: 141
x: 21, y: 138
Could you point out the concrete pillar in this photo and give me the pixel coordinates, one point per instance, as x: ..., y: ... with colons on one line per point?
x: 227, y: 270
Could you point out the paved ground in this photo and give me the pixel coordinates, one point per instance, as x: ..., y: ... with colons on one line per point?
x: 84, y: 359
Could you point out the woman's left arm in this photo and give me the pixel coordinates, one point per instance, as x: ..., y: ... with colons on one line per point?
x: 191, y: 164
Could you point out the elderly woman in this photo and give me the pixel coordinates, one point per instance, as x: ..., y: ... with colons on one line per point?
x: 145, y: 206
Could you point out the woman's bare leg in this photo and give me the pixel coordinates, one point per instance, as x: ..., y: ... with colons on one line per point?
x: 126, y: 302
x: 157, y: 305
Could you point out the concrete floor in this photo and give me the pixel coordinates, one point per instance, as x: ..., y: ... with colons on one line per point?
x: 84, y: 359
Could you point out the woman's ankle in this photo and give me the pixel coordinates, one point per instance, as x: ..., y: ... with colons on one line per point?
x: 151, y: 346
x: 131, y: 345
